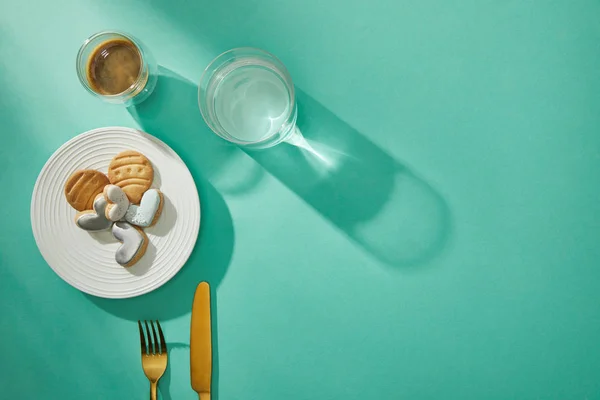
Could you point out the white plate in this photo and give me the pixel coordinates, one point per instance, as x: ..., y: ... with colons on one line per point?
x: 87, y: 260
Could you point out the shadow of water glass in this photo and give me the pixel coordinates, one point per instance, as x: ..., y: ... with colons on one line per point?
x: 376, y: 201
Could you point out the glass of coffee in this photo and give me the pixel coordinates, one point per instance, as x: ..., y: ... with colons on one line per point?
x: 117, y: 68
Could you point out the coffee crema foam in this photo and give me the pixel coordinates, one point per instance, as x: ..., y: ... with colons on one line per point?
x: 115, y: 66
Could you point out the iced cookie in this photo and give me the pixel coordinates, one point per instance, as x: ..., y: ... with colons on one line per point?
x: 117, y: 202
x: 94, y: 220
x: 132, y: 172
x: 147, y: 213
x: 82, y: 188
x: 134, y: 243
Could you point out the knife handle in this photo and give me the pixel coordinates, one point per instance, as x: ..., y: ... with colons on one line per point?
x: 204, y: 396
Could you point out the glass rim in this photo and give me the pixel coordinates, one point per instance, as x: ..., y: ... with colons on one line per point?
x: 286, y: 75
x: 83, y: 78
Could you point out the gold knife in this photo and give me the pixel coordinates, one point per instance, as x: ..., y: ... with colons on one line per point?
x: 200, y: 342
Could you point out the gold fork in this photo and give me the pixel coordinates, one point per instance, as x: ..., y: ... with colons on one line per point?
x: 154, y: 357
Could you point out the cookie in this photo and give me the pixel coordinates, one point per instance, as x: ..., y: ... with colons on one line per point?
x: 149, y: 210
x: 132, y: 172
x: 83, y: 186
x: 117, y: 202
x: 94, y: 220
x: 134, y: 243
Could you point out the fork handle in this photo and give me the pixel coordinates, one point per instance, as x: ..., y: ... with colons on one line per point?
x: 153, y: 386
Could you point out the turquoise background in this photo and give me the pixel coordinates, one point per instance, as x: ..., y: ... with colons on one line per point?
x: 447, y: 249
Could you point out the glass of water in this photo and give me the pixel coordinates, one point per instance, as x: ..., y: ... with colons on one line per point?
x: 246, y: 96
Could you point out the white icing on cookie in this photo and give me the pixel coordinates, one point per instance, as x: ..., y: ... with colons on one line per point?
x: 144, y: 214
x: 95, y: 220
x: 117, y: 202
x: 133, y: 241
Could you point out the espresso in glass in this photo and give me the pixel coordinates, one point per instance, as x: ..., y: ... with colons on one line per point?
x: 117, y: 68
x: 114, y: 66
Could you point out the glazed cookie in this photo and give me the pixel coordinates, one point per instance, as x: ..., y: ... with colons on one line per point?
x: 117, y: 202
x: 83, y: 186
x: 94, y: 220
x: 134, y: 243
x: 147, y: 213
x: 132, y: 172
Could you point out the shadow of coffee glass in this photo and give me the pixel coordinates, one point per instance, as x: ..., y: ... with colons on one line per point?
x: 101, y: 49
x: 246, y: 96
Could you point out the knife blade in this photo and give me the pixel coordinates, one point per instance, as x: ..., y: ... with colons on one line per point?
x: 200, y: 342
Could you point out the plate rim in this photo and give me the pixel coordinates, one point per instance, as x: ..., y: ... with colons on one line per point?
x: 126, y: 130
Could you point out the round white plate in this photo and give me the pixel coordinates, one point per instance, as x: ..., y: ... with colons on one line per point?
x: 87, y: 260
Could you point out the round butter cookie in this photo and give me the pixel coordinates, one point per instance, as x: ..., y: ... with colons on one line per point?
x: 132, y: 172
x: 83, y: 186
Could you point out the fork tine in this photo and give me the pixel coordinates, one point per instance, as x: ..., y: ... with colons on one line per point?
x: 163, y: 342
x: 142, y: 340
x: 150, y: 344
x: 155, y: 339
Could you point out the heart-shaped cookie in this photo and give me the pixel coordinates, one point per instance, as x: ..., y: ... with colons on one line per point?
x: 94, y: 220
x: 117, y: 202
x: 134, y: 243
x: 147, y: 213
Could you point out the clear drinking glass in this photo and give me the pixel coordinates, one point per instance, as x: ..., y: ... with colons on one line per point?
x: 141, y: 86
x: 246, y: 96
